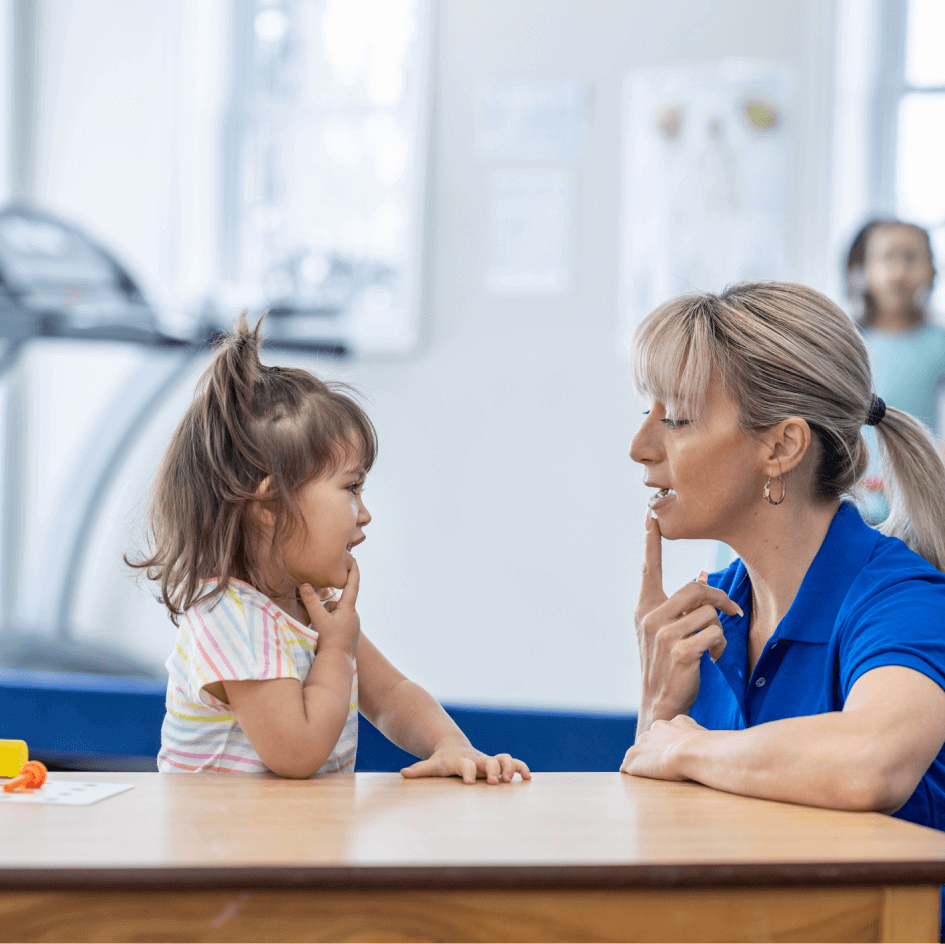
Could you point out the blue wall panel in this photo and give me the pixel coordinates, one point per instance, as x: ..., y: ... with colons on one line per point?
x: 107, y: 723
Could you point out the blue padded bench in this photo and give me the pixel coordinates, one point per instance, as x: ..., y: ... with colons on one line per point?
x: 100, y: 722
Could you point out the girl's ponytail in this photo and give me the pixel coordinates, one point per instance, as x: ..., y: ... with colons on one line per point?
x: 230, y: 398
x: 914, y: 482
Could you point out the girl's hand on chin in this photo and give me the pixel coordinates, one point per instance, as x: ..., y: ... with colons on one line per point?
x: 337, y: 623
x: 458, y: 758
x: 656, y: 753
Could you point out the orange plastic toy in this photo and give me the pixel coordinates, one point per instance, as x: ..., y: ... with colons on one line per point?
x: 32, y: 777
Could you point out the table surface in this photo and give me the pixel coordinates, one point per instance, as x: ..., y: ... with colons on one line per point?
x: 568, y: 829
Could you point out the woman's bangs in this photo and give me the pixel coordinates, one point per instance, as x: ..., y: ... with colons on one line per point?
x: 670, y: 364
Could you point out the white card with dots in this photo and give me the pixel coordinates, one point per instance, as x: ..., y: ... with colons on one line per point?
x: 66, y: 793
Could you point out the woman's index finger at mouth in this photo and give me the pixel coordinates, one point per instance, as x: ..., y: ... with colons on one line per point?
x: 651, y: 587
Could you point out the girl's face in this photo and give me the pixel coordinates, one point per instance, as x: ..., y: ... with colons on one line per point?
x: 896, y: 266
x: 707, y: 473
x: 334, y: 516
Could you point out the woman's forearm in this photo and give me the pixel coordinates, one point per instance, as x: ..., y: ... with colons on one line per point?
x: 653, y: 710
x: 415, y: 721
x: 824, y: 760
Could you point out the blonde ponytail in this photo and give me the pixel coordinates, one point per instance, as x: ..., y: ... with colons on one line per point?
x: 914, y: 482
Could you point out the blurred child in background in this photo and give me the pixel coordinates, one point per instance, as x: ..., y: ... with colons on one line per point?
x: 890, y: 271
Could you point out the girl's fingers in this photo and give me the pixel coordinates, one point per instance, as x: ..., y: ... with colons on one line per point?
x: 493, y: 769
x: 510, y: 766
x: 651, y: 588
x: 349, y: 593
x: 314, y: 606
x: 422, y: 768
x: 468, y: 770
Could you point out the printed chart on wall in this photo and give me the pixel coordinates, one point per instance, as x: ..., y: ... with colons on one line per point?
x: 707, y: 181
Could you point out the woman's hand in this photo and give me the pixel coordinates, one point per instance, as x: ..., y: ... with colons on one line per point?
x: 457, y: 757
x: 672, y: 634
x: 656, y: 752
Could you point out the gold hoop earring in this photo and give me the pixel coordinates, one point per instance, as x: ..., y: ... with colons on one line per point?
x: 767, y: 491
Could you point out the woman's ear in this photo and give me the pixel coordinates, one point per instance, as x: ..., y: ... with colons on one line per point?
x: 260, y: 509
x: 786, y: 445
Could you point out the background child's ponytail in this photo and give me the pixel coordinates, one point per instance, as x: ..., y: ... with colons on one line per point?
x: 248, y: 423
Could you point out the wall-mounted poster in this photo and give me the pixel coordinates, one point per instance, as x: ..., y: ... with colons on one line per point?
x: 530, y: 229
x: 707, y: 181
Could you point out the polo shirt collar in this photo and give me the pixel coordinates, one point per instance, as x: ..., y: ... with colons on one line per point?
x: 845, y: 551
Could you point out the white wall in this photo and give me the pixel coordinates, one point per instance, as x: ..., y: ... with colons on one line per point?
x: 503, y: 559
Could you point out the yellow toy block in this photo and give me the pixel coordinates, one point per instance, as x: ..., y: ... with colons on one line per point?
x: 13, y: 757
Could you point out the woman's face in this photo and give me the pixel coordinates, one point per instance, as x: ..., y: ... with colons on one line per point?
x: 896, y: 266
x: 706, y: 473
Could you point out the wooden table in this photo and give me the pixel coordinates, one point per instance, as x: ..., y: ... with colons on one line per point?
x: 576, y: 857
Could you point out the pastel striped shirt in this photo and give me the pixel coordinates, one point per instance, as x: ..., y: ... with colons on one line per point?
x: 243, y: 636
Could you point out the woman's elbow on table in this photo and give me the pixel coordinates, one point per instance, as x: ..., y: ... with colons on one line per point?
x: 880, y: 783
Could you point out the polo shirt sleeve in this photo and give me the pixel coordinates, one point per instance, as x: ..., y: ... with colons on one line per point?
x: 900, y: 622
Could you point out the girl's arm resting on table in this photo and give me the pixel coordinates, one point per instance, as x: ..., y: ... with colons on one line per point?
x: 294, y: 727
x: 414, y: 720
x: 870, y: 756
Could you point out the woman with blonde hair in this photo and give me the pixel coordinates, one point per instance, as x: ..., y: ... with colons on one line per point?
x: 812, y: 670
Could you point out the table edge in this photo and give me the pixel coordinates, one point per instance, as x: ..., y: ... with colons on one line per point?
x: 675, y: 876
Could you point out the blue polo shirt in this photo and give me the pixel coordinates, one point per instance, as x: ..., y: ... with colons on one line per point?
x: 866, y: 601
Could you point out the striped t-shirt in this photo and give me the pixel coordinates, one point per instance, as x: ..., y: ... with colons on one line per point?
x: 243, y: 636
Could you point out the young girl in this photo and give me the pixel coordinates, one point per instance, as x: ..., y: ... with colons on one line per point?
x: 254, y: 514
x: 889, y: 273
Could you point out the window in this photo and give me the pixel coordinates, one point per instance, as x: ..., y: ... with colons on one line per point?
x: 920, y: 138
x: 909, y: 138
x: 324, y: 168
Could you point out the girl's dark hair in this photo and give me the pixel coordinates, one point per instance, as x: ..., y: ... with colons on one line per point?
x: 855, y: 270
x: 247, y: 422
